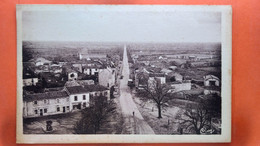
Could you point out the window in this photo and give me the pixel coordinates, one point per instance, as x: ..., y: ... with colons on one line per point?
x: 68, y: 108
x: 36, y: 112
x: 46, y: 101
x: 107, y: 84
x: 105, y: 93
x: 75, y: 98
x: 58, y: 109
x: 58, y: 100
x: 45, y: 110
x: 35, y: 102
x: 84, y: 97
x: 95, y: 94
x: 84, y: 104
x: 101, y: 94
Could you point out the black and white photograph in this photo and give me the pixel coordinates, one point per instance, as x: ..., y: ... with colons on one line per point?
x: 123, y: 73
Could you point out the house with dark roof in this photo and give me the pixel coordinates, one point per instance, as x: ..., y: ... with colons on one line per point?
x: 97, y: 90
x: 44, y: 104
x: 78, y: 97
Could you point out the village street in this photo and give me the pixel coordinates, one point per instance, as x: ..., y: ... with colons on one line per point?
x: 134, y: 121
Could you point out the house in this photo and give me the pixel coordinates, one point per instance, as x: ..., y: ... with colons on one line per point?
x: 29, y: 78
x: 141, y: 79
x: 78, y: 97
x: 107, y: 77
x: 77, y: 66
x: 97, y: 90
x: 72, y: 75
x: 153, y: 79
x: 211, y: 80
x: 93, y: 70
x: 174, y: 76
x: 43, y: 104
x: 159, y: 77
x: 41, y: 61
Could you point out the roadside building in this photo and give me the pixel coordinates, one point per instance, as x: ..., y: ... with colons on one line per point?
x: 107, y: 77
x: 43, y: 104
x: 97, y: 90
x: 141, y: 79
x: 78, y: 97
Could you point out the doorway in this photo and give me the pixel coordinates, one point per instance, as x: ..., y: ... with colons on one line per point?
x: 41, y: 112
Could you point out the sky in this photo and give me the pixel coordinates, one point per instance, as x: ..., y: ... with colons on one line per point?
x: 129, y: 26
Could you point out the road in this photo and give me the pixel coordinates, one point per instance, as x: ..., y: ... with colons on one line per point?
x: 134, y: 122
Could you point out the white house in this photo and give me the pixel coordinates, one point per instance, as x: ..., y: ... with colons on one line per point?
x: 91, y: 70
x: 43, y: 104
x: 107, y: 77
x: 79, y: 97
x: 29, y: 78
x: 30, y: 81
x: 211, y: 80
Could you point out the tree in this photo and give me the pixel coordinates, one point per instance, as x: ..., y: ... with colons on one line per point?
x: 159, y: 93
x: 95, y: 116
x: 196, y: 119
x: 198, y: 116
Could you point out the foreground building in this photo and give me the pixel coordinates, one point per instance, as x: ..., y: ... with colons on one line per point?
x: 69, y: 99
x: 43, y: 104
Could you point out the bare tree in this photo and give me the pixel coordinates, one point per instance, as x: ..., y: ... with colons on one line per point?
x: 95, y: 116
x: 196, y: 119
x: 198, y: 116
x: 159, y: 93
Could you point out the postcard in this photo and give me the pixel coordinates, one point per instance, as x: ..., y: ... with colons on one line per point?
x: 123, y: 73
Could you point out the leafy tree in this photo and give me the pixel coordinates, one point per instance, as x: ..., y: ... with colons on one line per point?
x: 95, y: 116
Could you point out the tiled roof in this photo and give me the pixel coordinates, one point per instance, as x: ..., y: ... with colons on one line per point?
x: 210, y: 77
x: 92, y: 88
x: 46, y: 95
x: 157, y: 75
x: 71, y: 84
x: 76, y: 90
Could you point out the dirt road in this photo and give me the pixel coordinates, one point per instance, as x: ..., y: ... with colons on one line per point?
x: 134, y: 121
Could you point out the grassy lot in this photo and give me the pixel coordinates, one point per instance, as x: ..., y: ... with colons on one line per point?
x: 166, y: 125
